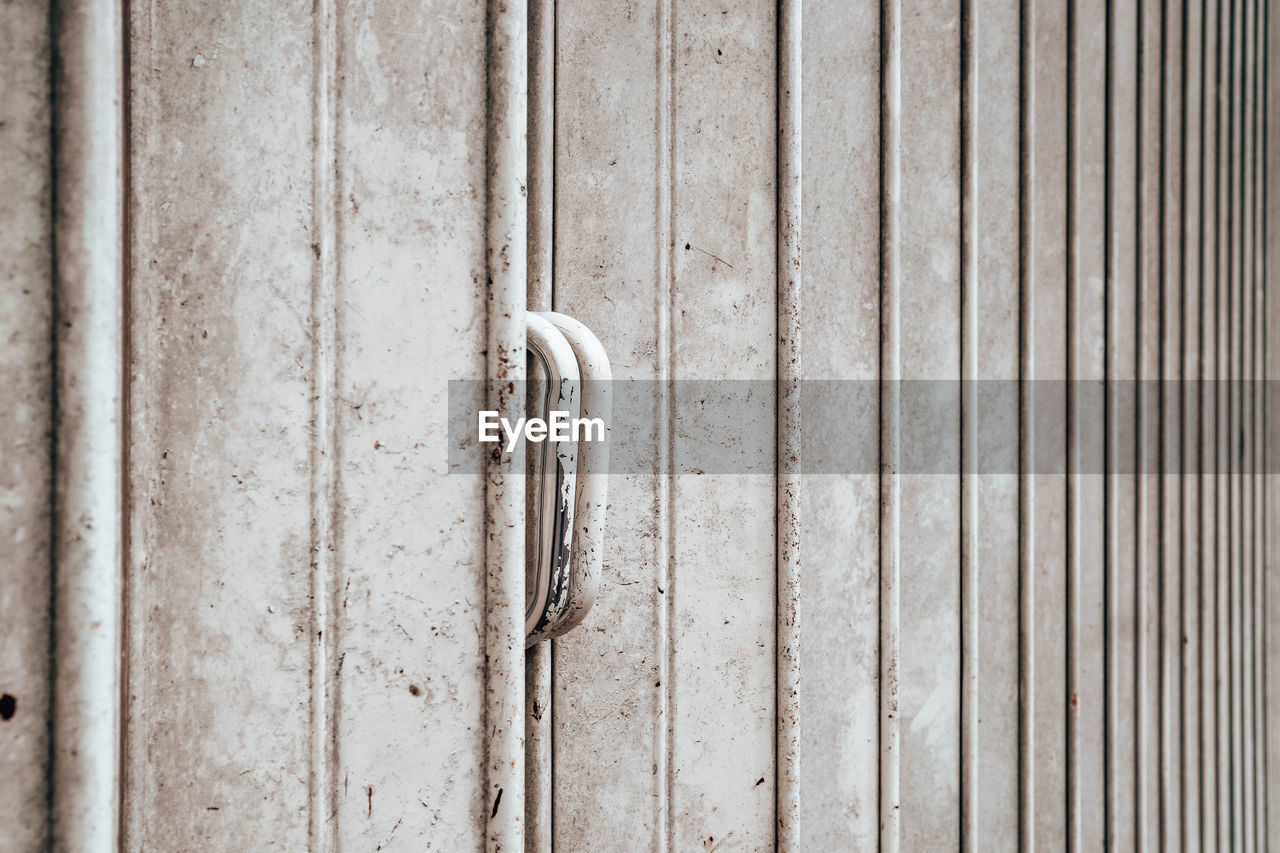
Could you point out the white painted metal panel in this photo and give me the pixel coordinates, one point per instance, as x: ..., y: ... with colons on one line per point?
x: 841, y: 318
x: 927, y: 315
x: 321, y: 210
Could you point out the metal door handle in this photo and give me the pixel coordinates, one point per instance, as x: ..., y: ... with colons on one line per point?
x: 569, y: 372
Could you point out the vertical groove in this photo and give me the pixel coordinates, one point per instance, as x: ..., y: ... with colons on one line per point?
x: 788, y: 615
x: 1109, y: 592
x: 539, y: 702
x: 87, y: 519
x: 127, y: 428
x: 1235, y: 756
x: 324, y: 439
x: 1258, y: 437
x: 1026, y: 439
x: 506, y: 241
x: 664, y: 538
x: 970, y: 569
x: 1144, y: 757
x: 890, y: 401
x: 1254, y: 444
x: 1168, y: 436
x: 1193, y: 471
x: 1248, y: 93
x: 1187, y: 786
x: 1222, y: 569
x: 1074, y: 507
x: 1265, y: 232
x: 1205, y: 470
x: 1241, y: 441
x: 1191, y: 311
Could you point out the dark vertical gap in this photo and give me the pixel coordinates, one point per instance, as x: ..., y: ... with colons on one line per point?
x: 885, y: 59
x: 1071, y: 703
x: 1232, y: 340
x: 777, y: 379
x: 1258, y: 321
x: 1025, y: 745
x: 1108, y: 464
x: 126, y: 409
x: 1221, y: 776
x: 1200, y: 436
x: 967, y: 285
x: 1182, y: 436
x: 1266, y: 245
x: 1163, y: 759
x: 1139, y: 439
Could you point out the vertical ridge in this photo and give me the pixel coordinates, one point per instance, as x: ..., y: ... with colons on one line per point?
x: 87, y: 522
x: 790, y: 157
x: 1074, y: 506
x: 539, y: 720
x: 506, y: 241
x: 890, y: 401
x: 1026, y: 442
x: 664, y: 296
x: 1206, y: 470
x: 324, y: 439
x: 969, y: 467
x: 1258, y: 437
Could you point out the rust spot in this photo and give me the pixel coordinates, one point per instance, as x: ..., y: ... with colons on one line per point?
x: 368, y: 792
x: 415, y: 690
x: 8, y: 706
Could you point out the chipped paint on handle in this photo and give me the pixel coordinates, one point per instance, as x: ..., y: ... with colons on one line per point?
x: 591, y: 487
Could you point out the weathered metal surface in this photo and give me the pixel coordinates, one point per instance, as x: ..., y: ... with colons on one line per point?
x: 278, y: 301
x: 1169, y: 412
x: 1211, y: 771
x: 408, y: 588
x: 1122, y: 482
x: 928, y: 533
x: 1190, y: 248
x: 722, y: 587
x: 610, y: 685
x: 1086, y: 505
x: 220, y: 442
x: 1043, y: 353
x: 26, y: 375
x: 989, y: 659
x: 889, y: 617
x: 840, y: 315
x: 989, y: 568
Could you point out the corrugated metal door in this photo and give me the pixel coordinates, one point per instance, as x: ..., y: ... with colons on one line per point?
x: 246, y: 605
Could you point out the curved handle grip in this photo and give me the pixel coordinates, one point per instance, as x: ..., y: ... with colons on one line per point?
x: 565, y: 570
